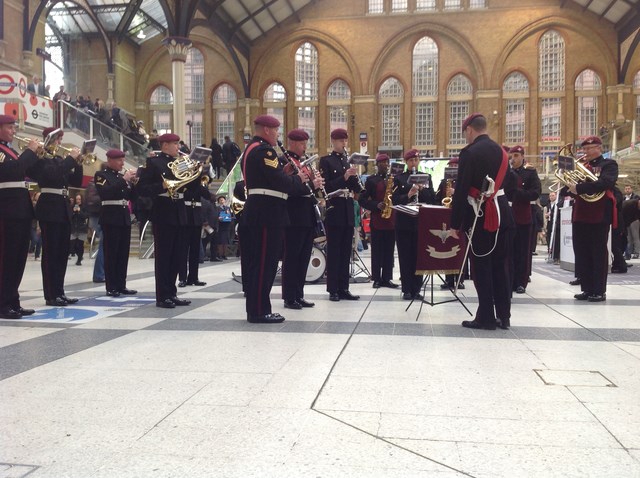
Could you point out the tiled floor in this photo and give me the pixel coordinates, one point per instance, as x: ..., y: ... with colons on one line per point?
x: 348, y: 389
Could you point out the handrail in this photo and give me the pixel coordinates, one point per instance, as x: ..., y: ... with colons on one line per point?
x: 86, y: 125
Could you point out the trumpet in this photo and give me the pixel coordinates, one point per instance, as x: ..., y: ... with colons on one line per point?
x: 23, y: 143
x: 86, y: 159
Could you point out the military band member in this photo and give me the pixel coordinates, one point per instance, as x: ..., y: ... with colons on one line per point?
x: 16, y: 214
x: 492, y: 237
x: 339, y: 221
x: 527, y: 192
x: 194, y: 192
x: 239, y: 192
x: 383, y: 239
x: 592, y: 220
x: 299, y: 234
x: 53, y: 211
x: 168, y: 218
x: 407, y: 226
x: 115, y: 190
x: 265, y: 216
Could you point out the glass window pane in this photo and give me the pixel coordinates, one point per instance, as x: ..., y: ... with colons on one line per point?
x: 161, y: 96
x: 398, y: 5
x: 459, y: 85
x: 551, y: 59
x: 376, y: 6
x: 425, y: 124
x: 516, y: 82
x: 452, y: 4
x: 338, y: 117
x: 194, y: 77
x: 425, y: 5
x: 515, y: 121
x: 275, y: 92
x: 162, y: 121
x: 551, y: 114
x: 225, y: 121
x: 224, y: 94
x: 194, y: 133
x: 587, y: 116
x: 458, y: 111
x: 390, y: 125
x: 339, y: 90
x: 278, y: 113
x: 391, y: 88
x: 477, y: 4
x: 307, y: 73
x: 307, y: 121
x: 636, y: 81
x: 425, y: 68
x: 588, y: 80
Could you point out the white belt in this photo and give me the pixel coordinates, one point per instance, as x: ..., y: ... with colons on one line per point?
x: 60, y: 192
x: 175, y: 196
x: 193, y: 203
x: 533, y: 202
x: 13, y: 184
x: 115, y: 202
x: 268, y: 192
x: 476, y: 202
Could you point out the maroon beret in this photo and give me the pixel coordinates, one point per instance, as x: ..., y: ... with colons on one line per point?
x: 168, y: 138
x: 339, y: 133
x: 7, y: 119
x: 380, y: 157
x: 267, y: 120
x: 412, y: 153
x: 591, y: 140
x: 469, y: 119
x: 47, y: 131
x: 298, y: 134
x: 517, y: 149
x: 115, y: 154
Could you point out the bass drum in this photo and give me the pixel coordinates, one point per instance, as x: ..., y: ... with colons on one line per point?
x: 317, y: 265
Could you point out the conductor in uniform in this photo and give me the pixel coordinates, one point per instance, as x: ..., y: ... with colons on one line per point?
x: 265, y: 216
x: 16, y: 213
x: 53, y: 211
x: 383, y: 241
x: 592, y: 220
x: 407, y: 226
x: 168, y: 217
x: 492, y: 238
x: 299, y: 234
x: 527, y: 191
x: 115, y: 190
x: 340, y: 178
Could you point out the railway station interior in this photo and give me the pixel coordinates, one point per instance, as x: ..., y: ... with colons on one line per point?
x: 379, y: 387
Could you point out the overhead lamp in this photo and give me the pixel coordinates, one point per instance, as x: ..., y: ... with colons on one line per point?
x: 141, y: 35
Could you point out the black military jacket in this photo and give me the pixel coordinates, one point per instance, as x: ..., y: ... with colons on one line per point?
x: 56, y: 173
x: 332, y: 169
x: 374, y: 189
x: 401, y: 187
x: 300, y: 206
x: 263, y: 169
x: 15, y: 203
x: 165, y: 210
x: 600, y: 211
x: 528, y: 189
x: 111, y: 186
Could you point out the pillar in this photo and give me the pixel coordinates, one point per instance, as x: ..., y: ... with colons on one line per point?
x: 178, y: 48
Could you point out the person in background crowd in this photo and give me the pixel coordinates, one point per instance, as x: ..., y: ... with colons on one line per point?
x: 184, y: 148
x: 79, y: 228
x: 92, y: 206
x: 36, y: 86
x: 633, y: 230
x: 225, y: 219
x: 216, y: 157
x: 230, y: 153
x: 16, y: 214
x: 36, y: 237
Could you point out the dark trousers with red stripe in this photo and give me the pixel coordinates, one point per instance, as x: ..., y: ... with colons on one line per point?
x: 591, y: 254
x: 339, y: 250
x: 117, y: 242
x: 55, y: 254
x: 522, y: 255
x: 383, y: 242
x: 264, y: 245
x: 191, y: 254
x: 298, y: 242
x: 14, y: 248
x: 167, y: 241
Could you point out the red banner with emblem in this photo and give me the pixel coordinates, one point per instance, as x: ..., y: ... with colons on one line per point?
x: 438, y: 251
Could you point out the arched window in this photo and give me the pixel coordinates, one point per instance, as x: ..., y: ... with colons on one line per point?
x: 225, y: 102
x: 194, y: 95
x: 306, y: 81
x: 338, y: 101
x: 588, y: 90
x: 390, y: 97
x: 425, y: 91
x: 274, y: 102
x: 515, y: 92
x: 161, y: 108
x: 551, y: 65
x: 459, y: 96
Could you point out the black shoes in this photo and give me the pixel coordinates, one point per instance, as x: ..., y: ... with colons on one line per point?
x: 407, y: 296
x: 389, y: 284
x: 68, y: 299
x: 451, y: 286
x: 581, y: 296
x: 197, y: 282
x: 57, y: 302
x: 305, y: 303
x: 11, y: 314
x: 575, y: 282
x: 334, y: 297
x: 475, y: 324
x: 520, y: 290
x: 504, y: 324
x: 177, y: 301
x: 165, y: 304
x: 99, y: 281
x: 618, y: 270
x: 265, y: 319
x: 126, y: 291
x: 346, y: 295
x: 182, y: 284
x: 376, y: 284
x: 292, y: 304
x: 22, y: 311
x: 113, y: 293
x: 597, y: 298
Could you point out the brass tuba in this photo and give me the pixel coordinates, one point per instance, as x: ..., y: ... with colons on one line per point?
x: 185, y: 170
x: 572, y: 177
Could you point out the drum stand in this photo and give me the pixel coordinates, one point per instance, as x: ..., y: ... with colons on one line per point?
x: 358, y: 267
x: 428, y: 279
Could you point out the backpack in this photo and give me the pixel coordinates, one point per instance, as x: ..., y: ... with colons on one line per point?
x: 92, y: 199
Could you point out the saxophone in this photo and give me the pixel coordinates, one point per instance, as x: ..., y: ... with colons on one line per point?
x: 386, y: 209
x: 446, y: 200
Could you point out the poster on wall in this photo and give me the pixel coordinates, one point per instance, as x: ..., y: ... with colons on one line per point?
x: 15, y: 100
